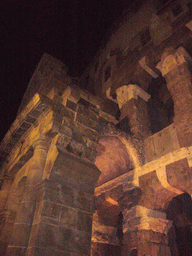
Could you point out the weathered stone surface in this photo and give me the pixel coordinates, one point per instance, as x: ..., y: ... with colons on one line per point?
x: 153, y: 194
x: 175, y: 67
x: 136, y: 110
x: 146, y: 242
x: 156, y: 145
x: 20, y: 235
x: 60, y: 238
x: 16, y: 251
x: 49, y: 154
x: 179, y: 175
x: 112, y: 159
x: 101, y: 249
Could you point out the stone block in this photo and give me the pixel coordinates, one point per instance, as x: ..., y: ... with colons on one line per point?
x: 78, y: 137
x: 87, y: 112
x: 28, y: 195
x: 71, y: 105
x: 40, y: 192
x: 20, y: 235
x: 91, y: 134
x: 105, y: 234
x: 55, y: 193
x: 48, y: 251
x: 68, y: 217
x: 50, y: 236
x: 5, y: 235
x: 156, y: 145
x: 65, y: 130
x: 3, y: 247
x: 81, y: 119
x: 92, y: 144
x: 78, y: 173
x: 84, y: 202
x: 37, y: 251
x: 16, y: 251
x: 63, y: 142
x: 43, y: 235
x: 89, y: 154
x: 38, y: 211
x: 80, y: 242
x: 51, y: 209
x: 84, y: 221
x: 49, y: 220
x: 75, y: 148
x: 63, y: 195
x: 67, y: 113
x: 67, y: 196
x: 25, y: 213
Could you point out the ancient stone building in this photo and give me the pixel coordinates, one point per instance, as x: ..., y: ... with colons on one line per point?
x: 103, y: 165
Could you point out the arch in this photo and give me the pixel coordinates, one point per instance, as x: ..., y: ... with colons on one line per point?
x: 180, y: 234
x: 115, y: 157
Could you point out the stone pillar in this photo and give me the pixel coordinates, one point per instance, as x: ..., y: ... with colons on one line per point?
x: 132, y: 104
x: 145, y: 232
x: 7, y: 216
x: 175, y: 68
x: 65, y: 204
x: 22, y: 227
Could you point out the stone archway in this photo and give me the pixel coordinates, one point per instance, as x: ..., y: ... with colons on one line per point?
x: 113, y: 159
x: 116, y: 159
x: 180, y: 235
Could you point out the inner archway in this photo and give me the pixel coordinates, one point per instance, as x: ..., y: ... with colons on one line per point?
x: 116, y: 157
x: 180, y: 235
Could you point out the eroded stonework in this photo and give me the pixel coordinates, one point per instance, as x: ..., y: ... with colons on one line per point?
x: 109, y: 173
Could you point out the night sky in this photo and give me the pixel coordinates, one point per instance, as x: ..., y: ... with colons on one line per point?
x: 70, y: 30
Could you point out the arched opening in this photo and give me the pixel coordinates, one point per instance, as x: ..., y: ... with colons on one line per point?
x: 180, y: 235
x: 116, y: 157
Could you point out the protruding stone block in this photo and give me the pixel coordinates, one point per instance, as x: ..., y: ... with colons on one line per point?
x: 131, y: 91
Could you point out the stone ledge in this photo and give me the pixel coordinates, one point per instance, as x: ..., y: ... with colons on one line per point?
x: 21, y: 125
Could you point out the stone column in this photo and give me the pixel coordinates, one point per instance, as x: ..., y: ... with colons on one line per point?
x: 132, y: 104
x: 145, y: 232
x: 24, y: 217
x: 175, y: 66
x: 65, y: 205
x: 6, y: 215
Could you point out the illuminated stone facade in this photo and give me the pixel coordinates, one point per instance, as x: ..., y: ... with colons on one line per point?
x: 104, y: 164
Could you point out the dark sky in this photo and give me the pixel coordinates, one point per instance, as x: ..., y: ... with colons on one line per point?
x: 70, y: 30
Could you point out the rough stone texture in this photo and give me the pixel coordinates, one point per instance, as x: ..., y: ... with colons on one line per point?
x: 136, y: 111
x: 153, y: 194
x: 104, y: 249
x: 179, y: 175
x: 112, y: 159
x: 156, y: 145
x: 175, y: 67
x: 51, y: 72
x: 64, y: 137
x: 63, y: 216
x: 146, y: 243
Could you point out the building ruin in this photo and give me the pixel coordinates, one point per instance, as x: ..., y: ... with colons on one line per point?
x: 103, y: 165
